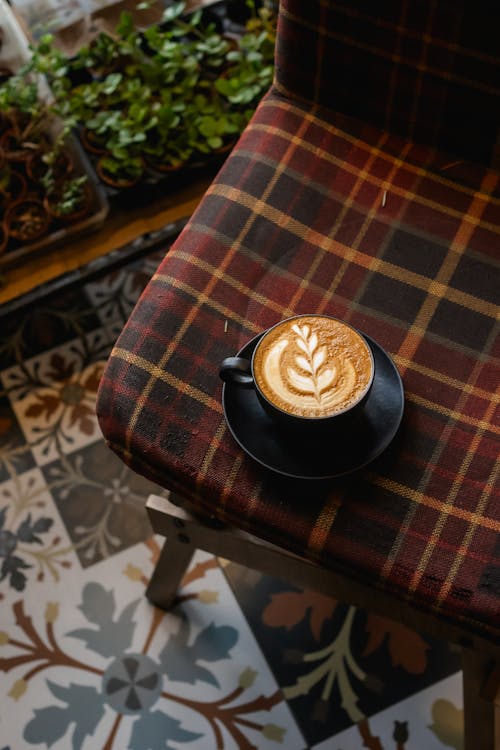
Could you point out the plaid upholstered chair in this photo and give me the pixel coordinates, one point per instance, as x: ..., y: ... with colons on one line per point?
x: 365, y: 187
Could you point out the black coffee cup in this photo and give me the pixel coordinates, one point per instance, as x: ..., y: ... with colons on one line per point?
x: 241, y: 372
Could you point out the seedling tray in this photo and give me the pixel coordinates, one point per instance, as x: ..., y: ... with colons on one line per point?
x: 14, y: 52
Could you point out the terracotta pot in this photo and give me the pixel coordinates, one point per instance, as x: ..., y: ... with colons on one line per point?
x: 115, y: 182
x: 27, y: 220
x: 163, y: 167
x: 36, y: 167
x: 14, y: 150
x: 77, y: 214
x: 91, y: 142
x: 16, y: 187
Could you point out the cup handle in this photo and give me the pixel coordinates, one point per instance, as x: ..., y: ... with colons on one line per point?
x: 236, y: 370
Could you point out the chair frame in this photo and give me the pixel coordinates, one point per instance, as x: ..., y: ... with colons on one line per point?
x: 186, y: 533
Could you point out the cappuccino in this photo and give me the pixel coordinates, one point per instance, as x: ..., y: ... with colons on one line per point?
x: 313, y: 366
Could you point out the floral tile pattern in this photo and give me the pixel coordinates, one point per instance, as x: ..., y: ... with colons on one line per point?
x: 100, y: 667
x: 430, y: 720
x: 53, y: 397
x: 114, y: 296
x: 100, y: 501
x: 336, y: 665
x: 15, y: 456
x: 241, y: 661
x: 45, y: 325
x: 33, y: 544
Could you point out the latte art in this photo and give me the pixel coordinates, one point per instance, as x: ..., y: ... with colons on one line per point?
x: 313, y: 366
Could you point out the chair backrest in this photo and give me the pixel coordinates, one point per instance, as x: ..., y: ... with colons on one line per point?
x: 426, y: 69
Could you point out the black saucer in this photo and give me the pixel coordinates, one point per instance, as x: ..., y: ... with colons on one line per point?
x: 340, y: 450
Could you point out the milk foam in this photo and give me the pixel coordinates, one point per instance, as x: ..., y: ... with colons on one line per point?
x: 313, y: 366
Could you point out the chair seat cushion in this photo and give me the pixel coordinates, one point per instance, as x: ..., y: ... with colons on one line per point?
x: 313, y: 212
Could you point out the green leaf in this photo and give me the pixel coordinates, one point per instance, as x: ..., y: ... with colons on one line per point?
x: 125, y: 25
x: 215, y: 142
x: 111, y: 83
x: 173, y: 12
x: 208, y: 126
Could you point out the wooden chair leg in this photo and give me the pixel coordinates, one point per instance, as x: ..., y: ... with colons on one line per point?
x: 481, y: 715
x: 174, y: 559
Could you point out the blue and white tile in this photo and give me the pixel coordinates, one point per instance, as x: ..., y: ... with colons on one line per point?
x: 93, y: 664
x: 34, y: 544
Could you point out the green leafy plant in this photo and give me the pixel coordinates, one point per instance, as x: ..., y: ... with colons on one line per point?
x: 121, y: 171
x: 35, y: 128
x: 210, y: 124
x: 69, y: 197
x: 168, y: 94
x: 106, y: 53
x: 22, y: 106
x: 251, y: 64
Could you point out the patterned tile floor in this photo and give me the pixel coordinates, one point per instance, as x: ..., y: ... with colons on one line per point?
x: 242, y: 661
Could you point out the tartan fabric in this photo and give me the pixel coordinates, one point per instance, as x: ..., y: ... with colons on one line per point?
x: 318, y: 212
x: 429, y: 70
x: 294, y: 223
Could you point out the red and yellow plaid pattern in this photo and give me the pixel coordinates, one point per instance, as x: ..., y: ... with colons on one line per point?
x: 316, y: 212
x: 428, y: 70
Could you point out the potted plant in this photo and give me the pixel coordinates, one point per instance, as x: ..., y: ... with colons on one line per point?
x: 124, y: 132
x: 13, y: 184
x: 211, y: 125
x: 68, y: 200
x: 55, y: 160
x: 36, y: 161
x: 26, y: 219
x: 27, y: 118
x: 120, y: 173
x: 250, y: 66
x: 175, y: 92
x: 201, y: 44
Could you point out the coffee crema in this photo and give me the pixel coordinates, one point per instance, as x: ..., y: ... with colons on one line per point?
x: 313, y: 366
